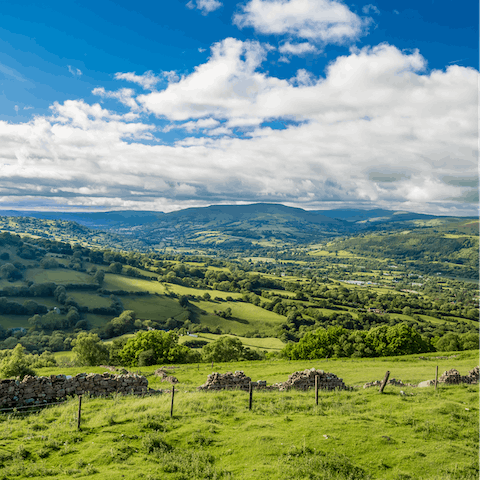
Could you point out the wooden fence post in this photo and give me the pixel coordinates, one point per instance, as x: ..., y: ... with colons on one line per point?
x: 79, y: 411
x: 250, y: 395
x: 171, y: 405
x: 316, y: 389
x: 436, y: 377
x: 385, y: 380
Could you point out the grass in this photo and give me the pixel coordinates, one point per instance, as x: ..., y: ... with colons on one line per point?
x: 153, y: 308
x: 245, y: 317
x: 119, y: 282
x: 92, y: 300
x: 14, y: 321
x: 271, y: 344
x: 39, y: 275
x: 181, y: 290
x: 356, y: 435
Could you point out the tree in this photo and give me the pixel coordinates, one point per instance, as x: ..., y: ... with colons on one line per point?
x: 89, y: 349
x: 164, y: 345
x: 225, y: 349
x: 49, y: 263
x: 8, y: 271
x: 115, y: 267
x: 183, y: 301
x: 99, y: 277
x: 16, y: 364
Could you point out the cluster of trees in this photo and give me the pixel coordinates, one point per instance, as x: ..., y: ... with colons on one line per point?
x: 156, y: 347
x: 17, y: 363
x: 384, y: 340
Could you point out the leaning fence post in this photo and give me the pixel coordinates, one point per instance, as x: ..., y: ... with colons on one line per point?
x: 316, y: 389
x: 79, y: 411
x: 171, y: 405
x: 385, y: 380
x: 436, y: 377
x: 250, y: 395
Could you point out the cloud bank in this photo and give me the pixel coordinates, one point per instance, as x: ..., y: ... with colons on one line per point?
x: 376, y: 129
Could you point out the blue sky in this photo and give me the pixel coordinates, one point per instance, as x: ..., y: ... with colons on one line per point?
x: 312, y: 103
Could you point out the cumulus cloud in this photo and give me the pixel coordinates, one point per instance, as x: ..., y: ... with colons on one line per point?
x: 227, y: 82
x: 297, y: 48
x: 148, y: 80
x: 205, y: 6
x: 124, y: 95
x: 326, y: 21
x: 377, y: 128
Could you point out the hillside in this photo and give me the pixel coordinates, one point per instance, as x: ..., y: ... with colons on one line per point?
x: 51, y: 291
x: 406, y: 433
x: 222, y: 227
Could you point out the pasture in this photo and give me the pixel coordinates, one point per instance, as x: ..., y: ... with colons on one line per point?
x: 357, y: 434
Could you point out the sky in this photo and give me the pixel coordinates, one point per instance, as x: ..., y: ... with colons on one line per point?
x: 164, y: 105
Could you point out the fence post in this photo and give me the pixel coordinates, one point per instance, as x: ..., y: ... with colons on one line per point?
x: 385, y: 380
x: 79, y: 411
x: 436, y: 377
x: 250, y: 395
x: 171, y: 405
x: 316, y: 389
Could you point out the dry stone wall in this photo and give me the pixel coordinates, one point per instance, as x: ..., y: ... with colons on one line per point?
x: 306, y: 379
x: 299, y: 380
x: 226, y: 381
x: 43, y: 390
x: 391, y: 381
x: 452, y: 377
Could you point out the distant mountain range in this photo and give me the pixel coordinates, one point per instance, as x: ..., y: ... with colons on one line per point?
x: 228, y: 226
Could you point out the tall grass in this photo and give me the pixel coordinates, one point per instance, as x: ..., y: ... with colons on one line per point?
x: 356, y: 434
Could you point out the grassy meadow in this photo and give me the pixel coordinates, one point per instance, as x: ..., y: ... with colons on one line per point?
x: 357, y: 434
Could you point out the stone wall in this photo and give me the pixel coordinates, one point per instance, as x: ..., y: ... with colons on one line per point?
x: 306, y: 379
x: 299, y: 380
x: 42, y: 390
x: 226, y: 381
x: 452, y: 377
x: 391, y: 381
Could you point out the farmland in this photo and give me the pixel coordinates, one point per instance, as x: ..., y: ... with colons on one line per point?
x: 356, y: 434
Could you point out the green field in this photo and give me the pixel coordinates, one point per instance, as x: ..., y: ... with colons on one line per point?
x: 60, y: 275
x: 356, y: 435
x: 118, y: 282
x: 153, y: 307
x: 181, y: 290
x: 91, y: 300
x: 14, y: 321
x: 270, y: 344
x: 245, y: 317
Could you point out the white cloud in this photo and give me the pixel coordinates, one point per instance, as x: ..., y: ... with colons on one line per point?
x: 124, y: 95
x: 396, y: 12
x: 227, y: 82
x: 370, y: 9
x: 326, y: 21
x: 148, y: 80
x: 303, y: 78
x: 205, y: 6
x: 297, y: 48
x: 375, y: 110
x: 76, y: 72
